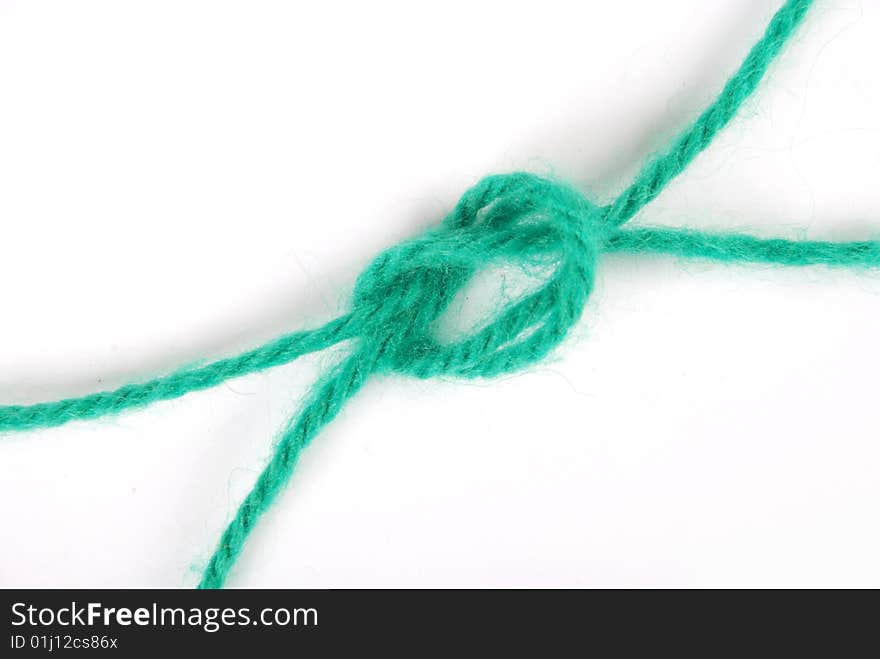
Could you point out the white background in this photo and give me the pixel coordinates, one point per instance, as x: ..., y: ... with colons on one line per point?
x: 184, y: 180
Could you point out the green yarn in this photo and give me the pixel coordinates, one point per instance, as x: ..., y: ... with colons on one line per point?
x: 518, y: 218
x: 729, y: 247
x: 656, y: 174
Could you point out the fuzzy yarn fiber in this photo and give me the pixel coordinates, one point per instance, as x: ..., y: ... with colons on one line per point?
x: 518, y: 218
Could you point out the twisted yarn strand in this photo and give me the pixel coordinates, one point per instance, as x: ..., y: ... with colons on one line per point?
x: 280, y: 351
x: 398, y: 299
x: 319, y: 411
x: 730, y: 247
x: 658, y: 173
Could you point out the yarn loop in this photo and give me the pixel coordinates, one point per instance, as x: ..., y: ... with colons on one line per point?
x: 518, y: 218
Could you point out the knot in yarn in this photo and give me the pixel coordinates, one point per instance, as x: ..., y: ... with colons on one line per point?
x: 520, y: 219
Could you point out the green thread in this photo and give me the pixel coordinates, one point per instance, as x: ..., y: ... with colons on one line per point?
x: 518, y: 218
x: 657, y: 173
